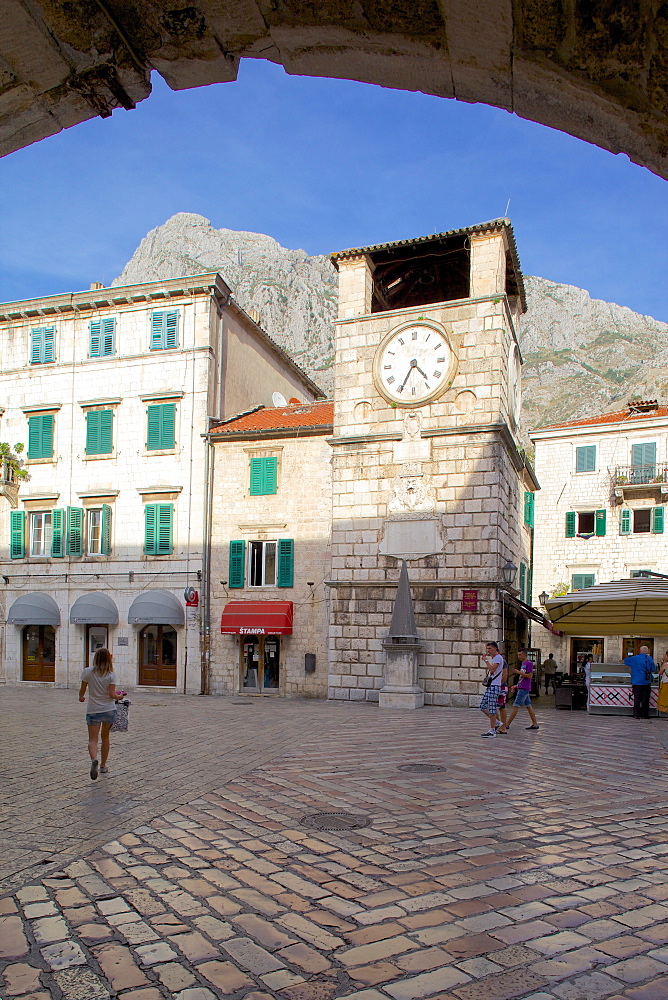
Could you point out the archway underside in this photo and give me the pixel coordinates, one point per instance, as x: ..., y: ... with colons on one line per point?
x: 595, y: 69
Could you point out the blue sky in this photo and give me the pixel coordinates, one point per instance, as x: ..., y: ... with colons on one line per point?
x: 323, y: 165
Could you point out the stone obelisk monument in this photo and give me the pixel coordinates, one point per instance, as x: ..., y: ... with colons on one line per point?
x: 402, y: 646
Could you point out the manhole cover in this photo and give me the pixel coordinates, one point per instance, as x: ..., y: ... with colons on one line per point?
x: 421, y: 768
x: 335, y: 821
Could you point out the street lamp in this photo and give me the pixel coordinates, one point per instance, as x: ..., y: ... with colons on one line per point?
x: 509, y: 571
x: 544, y: 598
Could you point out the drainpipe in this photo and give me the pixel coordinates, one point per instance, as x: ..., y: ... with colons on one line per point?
x: 205, y: 624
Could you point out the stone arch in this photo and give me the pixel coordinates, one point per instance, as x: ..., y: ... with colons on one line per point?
x: 597, y: 69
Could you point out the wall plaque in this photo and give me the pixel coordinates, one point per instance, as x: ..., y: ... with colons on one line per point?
x: 469, y: 600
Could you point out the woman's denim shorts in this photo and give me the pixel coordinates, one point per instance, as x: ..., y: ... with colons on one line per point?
x: 96, y: 717
x: 522, y: 698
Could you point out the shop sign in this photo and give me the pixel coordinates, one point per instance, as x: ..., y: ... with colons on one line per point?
x: 251, y: 631
x: 469, y: 600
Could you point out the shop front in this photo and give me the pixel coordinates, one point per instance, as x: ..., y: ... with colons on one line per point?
x: 159, y: 613
x: 38, y: 617
x: 260, y: 627
x: 96, y: 612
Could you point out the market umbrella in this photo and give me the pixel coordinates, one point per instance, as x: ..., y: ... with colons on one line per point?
x: 624, y: 607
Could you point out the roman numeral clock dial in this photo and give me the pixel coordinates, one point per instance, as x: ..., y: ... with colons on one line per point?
x: 414, y: 364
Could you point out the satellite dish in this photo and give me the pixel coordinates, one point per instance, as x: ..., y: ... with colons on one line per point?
x: 278, y: 399
x: 294, y: 401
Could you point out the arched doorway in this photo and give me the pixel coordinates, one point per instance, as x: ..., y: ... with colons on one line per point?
x: 39, y: 653
x: 157, y: 656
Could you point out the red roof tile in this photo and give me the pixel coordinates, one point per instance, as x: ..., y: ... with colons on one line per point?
x: 618, y: 416
x: 264, y: 419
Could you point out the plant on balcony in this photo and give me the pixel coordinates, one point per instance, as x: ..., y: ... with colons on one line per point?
x: 620, y: 480
x: 13, y: 466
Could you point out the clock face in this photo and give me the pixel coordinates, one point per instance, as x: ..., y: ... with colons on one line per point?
x: 414, y: 363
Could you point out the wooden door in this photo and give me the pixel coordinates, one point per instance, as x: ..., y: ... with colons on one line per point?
x: 157, y: 656
x: 39, y: 653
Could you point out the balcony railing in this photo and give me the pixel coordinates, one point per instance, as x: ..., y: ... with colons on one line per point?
x: 640, y: 475
x: 8, y: 474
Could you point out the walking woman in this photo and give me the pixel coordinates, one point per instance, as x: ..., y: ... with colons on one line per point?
x: 100, y: 680
x: 662, y: 703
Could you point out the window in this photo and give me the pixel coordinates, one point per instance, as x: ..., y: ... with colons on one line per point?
x: 98, y: 530
x: 270, y: 564
x: 99, y: 427
x: 102, y: 337
x: 585, y: 458
x: 579, y: 581
x: 263, y: 475
x: 262, y: 564
x: 42, y: 345
x: 158, y: 519
x: 40, y: 533
x: 586, y: 523
x: 40, y: 436
x: 643, y: 521
x: 643, y: 460
x: 161, y: 424
x: 528, y: 508
x: 164, y: 330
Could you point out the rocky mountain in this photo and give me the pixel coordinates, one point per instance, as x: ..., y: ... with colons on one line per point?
x: 581, y: 355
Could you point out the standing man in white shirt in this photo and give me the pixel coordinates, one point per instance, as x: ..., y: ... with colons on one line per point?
x: 496, y: 665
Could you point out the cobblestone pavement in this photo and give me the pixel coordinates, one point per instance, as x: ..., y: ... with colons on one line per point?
x: 530, y: 866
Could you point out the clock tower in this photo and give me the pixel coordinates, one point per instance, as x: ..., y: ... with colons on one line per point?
x: 427, y: 459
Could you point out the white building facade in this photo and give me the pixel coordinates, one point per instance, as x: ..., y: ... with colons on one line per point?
x: 111, y: 391
x: 600, y: 514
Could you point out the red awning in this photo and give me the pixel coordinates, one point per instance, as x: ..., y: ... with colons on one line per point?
x: 257, y: 618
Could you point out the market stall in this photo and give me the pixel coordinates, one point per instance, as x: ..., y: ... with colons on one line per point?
x: 635, y: 607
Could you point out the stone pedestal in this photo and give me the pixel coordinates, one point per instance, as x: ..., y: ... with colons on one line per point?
x: 401, y: 689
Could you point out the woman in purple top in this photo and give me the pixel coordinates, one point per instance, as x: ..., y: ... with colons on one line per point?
x: 523, y: 692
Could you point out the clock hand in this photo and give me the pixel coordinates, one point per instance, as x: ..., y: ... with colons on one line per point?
x: 401, y: 387
x: 420, y: 371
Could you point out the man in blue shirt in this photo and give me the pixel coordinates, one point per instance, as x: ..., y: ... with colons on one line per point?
x: 642, y: 667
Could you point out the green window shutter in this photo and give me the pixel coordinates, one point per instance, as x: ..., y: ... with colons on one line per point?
x: 93, y: 432
x: 105, y: 546
x: 657, y: 520
x: 599, y: 522
x: 75, y: 531
x: 529, y: 584
x: 255, y: 477
x: 580, y: 581
x: 161, y: 424
x: 237, y: 564
x: 585, y: 458
x: 36, y: 346
x: 168, y: 425
x: 95, y: 338
x: 42, y: 344
x: 643, y: 455
x: 106, y: 429
x: 150, y: 534
x: 164, y: 519
x: 171, y: 338
x: 570, y: 523
x: 523, y: 582
x: 286, y: 558
x: 108, y: 337
x: 625, y: 522
x: 49, y: 343
x: 40, y: 435
x: 270, y: 475
x: 263, y: 475
x: 17, y: 534
x: 157, y: 331
x: 57, y: 533
x: 528, y: 508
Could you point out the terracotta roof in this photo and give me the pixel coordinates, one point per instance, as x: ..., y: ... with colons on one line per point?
x: 279, y: 419
x: 619, y: 416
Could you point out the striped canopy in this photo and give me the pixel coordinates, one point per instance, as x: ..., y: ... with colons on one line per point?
x: 624, y: 607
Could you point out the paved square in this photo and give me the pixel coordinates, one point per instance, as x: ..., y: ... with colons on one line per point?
x: 530, y: 866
